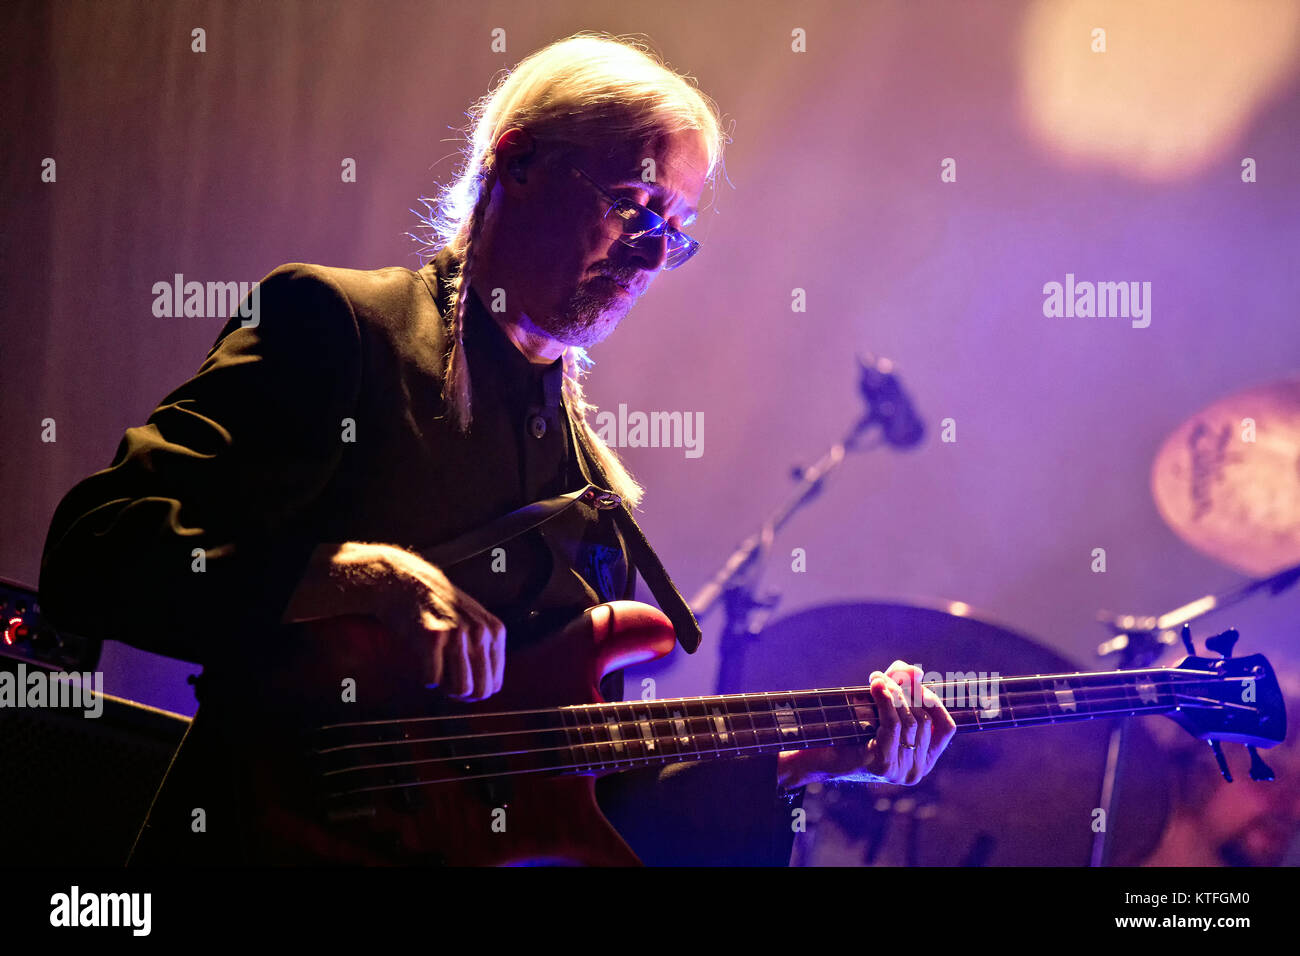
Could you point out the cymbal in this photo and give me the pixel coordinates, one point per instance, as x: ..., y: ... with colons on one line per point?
x: 1019, y: 798
x: 1227, y: 481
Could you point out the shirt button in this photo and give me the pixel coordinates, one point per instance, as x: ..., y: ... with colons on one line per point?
x: 537, y: 426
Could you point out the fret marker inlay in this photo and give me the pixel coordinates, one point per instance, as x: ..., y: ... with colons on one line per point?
x: 786, y: 719
x: 1147, y: 691
x: 679, y: 725
x: 1064, y: 696
x: 720, y: 725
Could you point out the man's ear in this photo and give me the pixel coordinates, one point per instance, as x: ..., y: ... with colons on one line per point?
x: 515, y: 150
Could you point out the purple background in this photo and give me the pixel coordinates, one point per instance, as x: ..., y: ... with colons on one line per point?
x: 1116, y: 166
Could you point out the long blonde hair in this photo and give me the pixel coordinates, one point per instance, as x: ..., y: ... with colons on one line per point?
x: 587, y: 89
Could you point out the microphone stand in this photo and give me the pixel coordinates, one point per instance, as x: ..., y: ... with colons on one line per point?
x: 1136, y: 648
x: 735, y: 583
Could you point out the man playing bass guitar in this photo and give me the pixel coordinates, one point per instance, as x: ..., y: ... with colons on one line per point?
x: 366, y: 415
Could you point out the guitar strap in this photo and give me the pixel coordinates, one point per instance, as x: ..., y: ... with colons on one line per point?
x: 530, y: 516
x: 508, y: 526
x: 643, y: 556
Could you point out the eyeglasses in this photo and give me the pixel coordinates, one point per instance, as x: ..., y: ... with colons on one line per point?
x: 635, y: 222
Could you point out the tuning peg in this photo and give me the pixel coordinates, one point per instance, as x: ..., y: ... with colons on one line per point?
x: 1258, y: 769
x: 1187, y: 639
x: 1222, y: 644
x: 1218, y: 755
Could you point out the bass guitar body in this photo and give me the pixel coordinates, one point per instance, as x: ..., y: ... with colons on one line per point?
x: 343, y: 757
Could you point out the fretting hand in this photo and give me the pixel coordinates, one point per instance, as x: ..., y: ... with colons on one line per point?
x: 912, y: 729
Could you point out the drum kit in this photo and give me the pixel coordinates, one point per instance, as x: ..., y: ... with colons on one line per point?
x: 1227, y: 482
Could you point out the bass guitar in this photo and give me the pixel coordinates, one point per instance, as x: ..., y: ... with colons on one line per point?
x: 351, y: 764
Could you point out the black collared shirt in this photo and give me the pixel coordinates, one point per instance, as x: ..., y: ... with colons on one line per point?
x: 525, y: 397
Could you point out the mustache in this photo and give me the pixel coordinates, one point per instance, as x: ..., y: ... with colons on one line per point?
x: 626, y: 281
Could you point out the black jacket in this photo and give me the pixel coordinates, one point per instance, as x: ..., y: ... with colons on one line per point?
x: 325, y: 422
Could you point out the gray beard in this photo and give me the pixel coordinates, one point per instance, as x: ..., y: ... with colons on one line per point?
x: 586, y: 318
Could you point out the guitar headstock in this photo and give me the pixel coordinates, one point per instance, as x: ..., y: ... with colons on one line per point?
x: 1239, y: 701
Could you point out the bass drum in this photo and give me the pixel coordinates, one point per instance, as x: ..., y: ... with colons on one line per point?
x: 1016, y: 797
